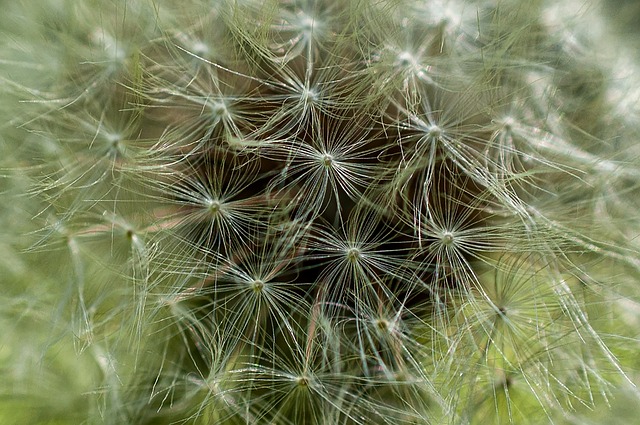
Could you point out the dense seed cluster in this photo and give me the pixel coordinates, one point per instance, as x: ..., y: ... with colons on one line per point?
x: 331, y: 212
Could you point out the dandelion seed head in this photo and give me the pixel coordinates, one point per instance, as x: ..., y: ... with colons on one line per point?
x: 114, y: 141
x: 309, y: 95
x: 218, y: 108
x: 383, y: 326
x: 406, y: 59
x: 257, y: 285
x: 214, y: 206
x: 435, y: 131
x: 447, y: 238
x: 307, y: 23
x: 409, y: 64
x: 335, y: 212
x: 353, y: 254
x: 302, y: 381
x: 327, y: 160
x: 507, y: 123
x: 113, y: 138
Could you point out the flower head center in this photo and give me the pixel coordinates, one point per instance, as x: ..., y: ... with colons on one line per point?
x: 214, y: 206
x: 327, y: 160
x: 447, y: 238
x: 435, y: 131
x: 257, y: 286
x: 218, y: 109
x: 353, y: 254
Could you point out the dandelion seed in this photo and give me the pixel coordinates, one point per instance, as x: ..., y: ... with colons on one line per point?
x: 257, y: 286
x: 353, y: 254
x: 330, y: 171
